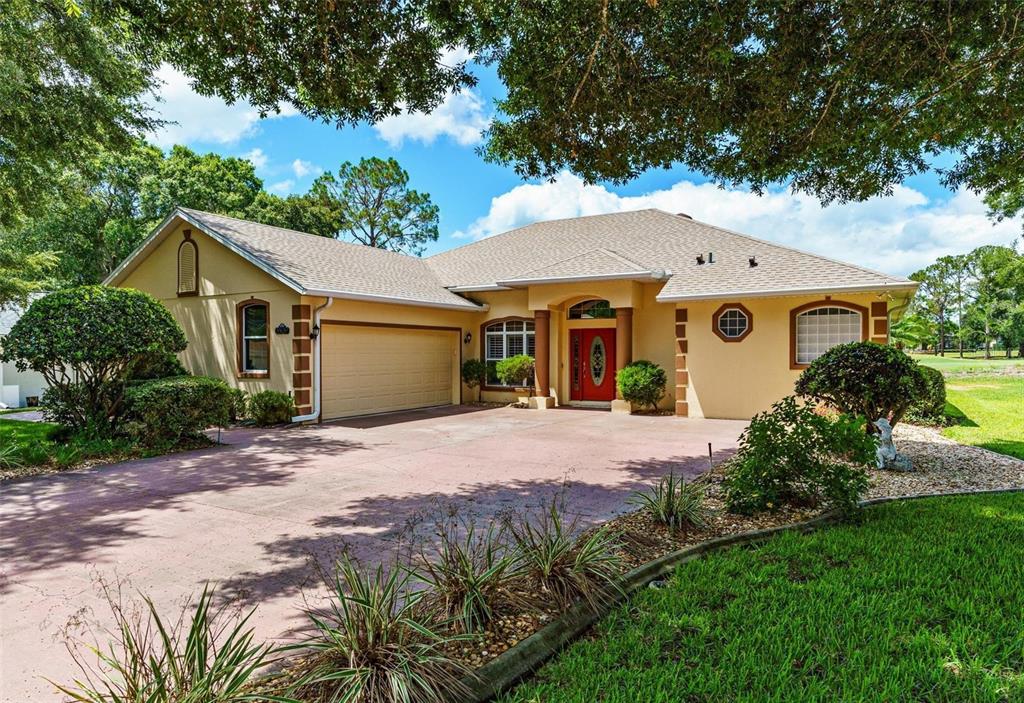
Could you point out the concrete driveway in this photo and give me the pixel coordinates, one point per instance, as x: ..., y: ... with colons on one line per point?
x: 255, y: 515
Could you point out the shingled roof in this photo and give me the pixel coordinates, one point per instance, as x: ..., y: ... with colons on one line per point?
x: 639, y: 245
x: 660, y: 244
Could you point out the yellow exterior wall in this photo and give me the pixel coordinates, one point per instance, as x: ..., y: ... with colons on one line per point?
x: 740, y: 379
x: 208, y: 319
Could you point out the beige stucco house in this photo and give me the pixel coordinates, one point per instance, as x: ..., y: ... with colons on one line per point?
x: 350, y: 330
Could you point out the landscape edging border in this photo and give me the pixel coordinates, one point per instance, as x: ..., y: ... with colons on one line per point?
x: 513, y: 665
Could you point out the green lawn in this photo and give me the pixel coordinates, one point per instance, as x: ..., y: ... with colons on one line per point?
x: 23, y: 434
x: 953, y: 364
x: 922, y: 602
x: 988, y: 412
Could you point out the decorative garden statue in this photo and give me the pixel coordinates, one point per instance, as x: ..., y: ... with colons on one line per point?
x: 886, y: 456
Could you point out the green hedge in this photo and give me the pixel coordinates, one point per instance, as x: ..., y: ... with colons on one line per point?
x: 168, y: 410
x: 271, y: 408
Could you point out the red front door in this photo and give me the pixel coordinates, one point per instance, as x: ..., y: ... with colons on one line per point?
x: 592, y: 355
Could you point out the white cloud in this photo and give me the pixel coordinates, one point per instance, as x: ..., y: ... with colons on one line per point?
x: 281, y: 187
x: 198, y: 118
x: 304, y: 168
x: 258, y: 158
x: 459, y: 117
x: 896, y: 234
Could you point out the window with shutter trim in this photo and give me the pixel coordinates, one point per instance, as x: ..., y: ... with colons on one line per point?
x: 188, y: 266
x: 505, y: 339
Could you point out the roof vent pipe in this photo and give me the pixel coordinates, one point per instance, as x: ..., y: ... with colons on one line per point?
x: 683, y: 214
x: 711, y: 257
x: 315, y: 413
x: 753, y: 261
x: 700, y: 259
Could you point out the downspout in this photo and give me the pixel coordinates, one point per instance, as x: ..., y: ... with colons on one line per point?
x: 316, y: 364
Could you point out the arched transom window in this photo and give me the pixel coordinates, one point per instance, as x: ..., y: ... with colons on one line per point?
x: 503, y: 339
x: 823, y: 327
x: 591, y: 310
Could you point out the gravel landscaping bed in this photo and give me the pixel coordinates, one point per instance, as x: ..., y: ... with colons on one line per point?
x: 941, y: 465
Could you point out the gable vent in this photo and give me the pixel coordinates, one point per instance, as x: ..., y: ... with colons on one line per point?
x: 187, y: 266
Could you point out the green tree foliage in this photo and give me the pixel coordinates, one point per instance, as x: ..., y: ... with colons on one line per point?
x: 935, y: 297
x: 913, y: 331
x: 375, y: 206
x: 70, y: 84
x: 84, y: 341
x: 997, y: 293
x: 841, y: 100
x: 22, y: 274
x: 474, y: 373
x: 863, y: 378
x: 515, y: 370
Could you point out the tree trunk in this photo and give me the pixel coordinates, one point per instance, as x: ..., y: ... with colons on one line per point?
x: 988, y: 340
x: 940, y: 348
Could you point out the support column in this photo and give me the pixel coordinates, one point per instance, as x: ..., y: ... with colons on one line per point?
x: 682, y: 374
x: 542, y: 357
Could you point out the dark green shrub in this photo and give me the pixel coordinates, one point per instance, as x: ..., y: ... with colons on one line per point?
x: 271, y: 408
x: 84, y: 341
x: 642, y: 382
x: 515, y: 370
x: 931, y: 405
x: 156, y: 365
x: 239, y: 409
x: 791, y: 455
x: 168, y: 410
x: 474, y: 373
x: 864, y: 378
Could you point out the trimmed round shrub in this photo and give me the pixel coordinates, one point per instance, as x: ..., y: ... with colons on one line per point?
x: 85, y: 341
x: 793, y: 455
x: 642, y: 382
x: 156, y: 365
x: 515, y: 370
x: 931, y: 405
x: 271, y: 408
x: 474, y: 372
x: 239, y: 404
x: 166, y: 411
x: 866, y: 379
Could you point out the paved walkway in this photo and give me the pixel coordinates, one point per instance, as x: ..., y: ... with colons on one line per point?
x: 255, y: 516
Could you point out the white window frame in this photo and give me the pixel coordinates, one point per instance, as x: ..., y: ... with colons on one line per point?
x: 827, y: 338
x: 746, y: 323
x: 247, y: 338
x: 491, y: 331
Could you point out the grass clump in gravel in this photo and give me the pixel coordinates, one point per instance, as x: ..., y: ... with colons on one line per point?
x: 920, y: 602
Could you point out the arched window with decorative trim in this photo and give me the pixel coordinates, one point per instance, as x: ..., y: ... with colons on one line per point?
x: 816, y: 327
x: 504, y: 338
x: 253, y: 318
x: 591, y: 310
x: 188, y: 266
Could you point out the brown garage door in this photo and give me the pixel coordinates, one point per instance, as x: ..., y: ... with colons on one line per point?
x: 381, y: 369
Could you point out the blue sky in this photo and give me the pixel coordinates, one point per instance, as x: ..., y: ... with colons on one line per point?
x: 897, y: 234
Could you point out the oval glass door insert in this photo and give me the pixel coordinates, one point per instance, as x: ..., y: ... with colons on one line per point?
x: 597, y: 358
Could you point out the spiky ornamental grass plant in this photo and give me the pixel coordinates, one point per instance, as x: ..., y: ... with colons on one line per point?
x: 374, y: 644
x: 564, y: 567
x: 215, y: 660
x: 468, y: 574
x: 674, y: 503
